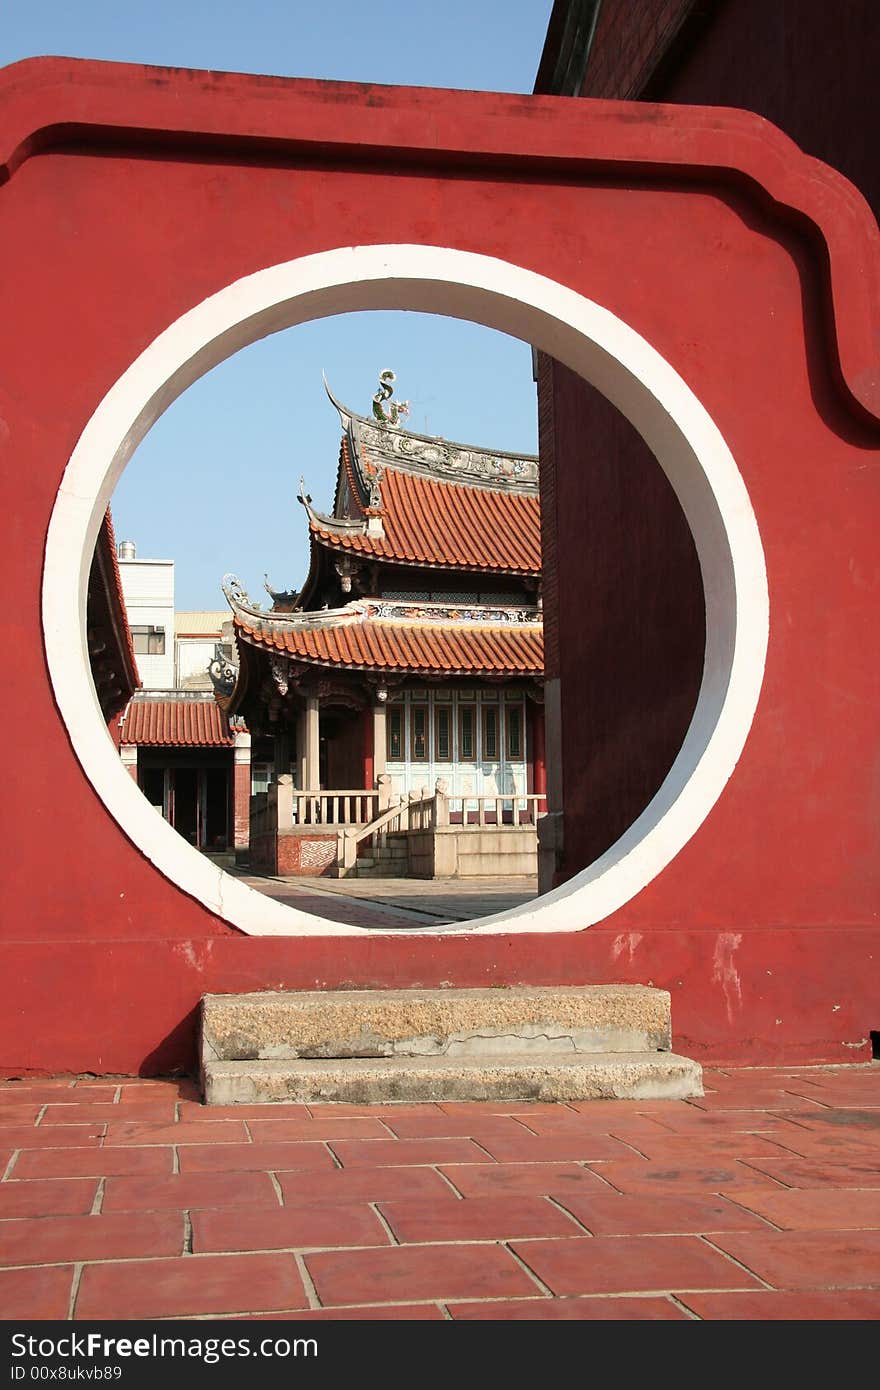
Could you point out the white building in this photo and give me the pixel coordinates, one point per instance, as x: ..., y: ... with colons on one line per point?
x: 197, y: 635
x: 148, y: 590
x: 174, y: 738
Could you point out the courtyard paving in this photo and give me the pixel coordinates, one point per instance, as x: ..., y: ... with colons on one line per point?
x: 128, y: 1199
x: 397, y: 903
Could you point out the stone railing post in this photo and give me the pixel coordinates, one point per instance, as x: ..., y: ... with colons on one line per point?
x: 284, y: 802
x: 383, y: 787
x: 441, y: 803
x: 129, y: 754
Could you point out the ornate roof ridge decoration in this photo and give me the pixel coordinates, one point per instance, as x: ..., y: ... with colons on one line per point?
x: 386, y: 411
x: 222, y: 672
x: 247, y: 612
x: 486, y: 614
x: 285, y: 599
x: 173, y: 696
x: 379, y: 442
x: 380, y: 611
x: 320, y: 521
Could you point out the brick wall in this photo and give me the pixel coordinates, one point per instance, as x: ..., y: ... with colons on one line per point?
x: 629, y: 42
x: 808, y: 66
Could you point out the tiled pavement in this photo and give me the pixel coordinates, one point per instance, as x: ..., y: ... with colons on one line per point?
x: 130, y: 1200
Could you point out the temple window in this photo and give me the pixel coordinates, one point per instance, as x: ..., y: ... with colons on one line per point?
x: 467, y: 750
x: 490, y: 732
x: 395, y: 735
x: 514, y: 730
x: 443, y: 735
x: 419, y: 733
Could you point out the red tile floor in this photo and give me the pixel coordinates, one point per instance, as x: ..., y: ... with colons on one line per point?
x: 129, y: 1199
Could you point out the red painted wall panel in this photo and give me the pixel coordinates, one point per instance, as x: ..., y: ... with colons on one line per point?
x: 143, y: 192
x: 631, y: 617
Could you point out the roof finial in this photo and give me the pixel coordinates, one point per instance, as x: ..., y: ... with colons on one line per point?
x: 392, y: 415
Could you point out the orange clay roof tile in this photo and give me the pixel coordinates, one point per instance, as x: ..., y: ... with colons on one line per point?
x: 377, y: 644
x: 429, y: 522
x: 176, y: 724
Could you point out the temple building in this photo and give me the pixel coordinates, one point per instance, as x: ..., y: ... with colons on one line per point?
x: 413, y: 655
x: 189, y: 761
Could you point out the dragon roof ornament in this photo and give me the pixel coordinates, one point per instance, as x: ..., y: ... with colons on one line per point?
x: 386, y: 411
x: 379, y: 441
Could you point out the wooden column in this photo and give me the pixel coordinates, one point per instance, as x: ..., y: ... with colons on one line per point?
x: 539, y: 755
x: 311, y: 744
x: 241, y: 791
x: 379, y: 736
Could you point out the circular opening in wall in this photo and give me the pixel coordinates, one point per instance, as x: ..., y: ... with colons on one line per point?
x: 399, y: 649
x: 590, y: 343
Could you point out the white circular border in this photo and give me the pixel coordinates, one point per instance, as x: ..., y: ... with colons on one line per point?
x: 592, y: 342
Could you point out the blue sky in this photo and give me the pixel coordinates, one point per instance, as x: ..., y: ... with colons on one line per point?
x: 214, y: 484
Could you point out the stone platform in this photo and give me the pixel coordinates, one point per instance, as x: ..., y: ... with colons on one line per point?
x: 363, y: 1046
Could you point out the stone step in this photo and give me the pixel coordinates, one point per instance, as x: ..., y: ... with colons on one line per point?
x: 365, y: 1081
x: 449, y: 1023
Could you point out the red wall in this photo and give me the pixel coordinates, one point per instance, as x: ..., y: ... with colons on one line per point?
x: 630, y: 622
x: 349, y: 738
x: 808, y: 66
x: 133, y: 194
x: 811, y: 68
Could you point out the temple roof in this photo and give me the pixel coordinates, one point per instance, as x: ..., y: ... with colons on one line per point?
x: 176, y: 724
x: 410, y: 500
x: 111, y: 653
x: 426, y: 521
x: 414, y: 499
x: 378, y: 635
x: 379, y: 442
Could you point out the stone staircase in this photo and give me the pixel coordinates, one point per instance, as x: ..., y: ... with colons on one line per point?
x: 388, y: 860
x: 370, y: 1046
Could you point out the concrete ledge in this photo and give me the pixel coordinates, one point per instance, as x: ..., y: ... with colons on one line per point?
x: 605, y: 1076
x: 451, y: 1023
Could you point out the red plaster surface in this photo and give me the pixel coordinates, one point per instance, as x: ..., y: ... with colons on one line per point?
x: 401, y: 1240
x: 751, y: 268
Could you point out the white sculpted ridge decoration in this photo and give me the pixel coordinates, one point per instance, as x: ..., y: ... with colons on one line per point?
x: 437, y: 453
x: 434, y: 613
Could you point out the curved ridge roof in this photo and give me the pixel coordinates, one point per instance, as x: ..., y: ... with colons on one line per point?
x: 434, y: 522
x: 370, y: 643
